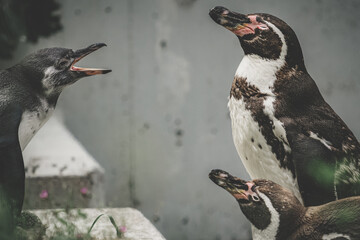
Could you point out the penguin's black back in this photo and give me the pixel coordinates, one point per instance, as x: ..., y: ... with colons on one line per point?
x: 323, y: 170
x: 338, y: 220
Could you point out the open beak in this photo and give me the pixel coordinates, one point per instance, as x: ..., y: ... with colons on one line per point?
x: 238, y: 23
x: 80, y: 54
x: 238, y: 188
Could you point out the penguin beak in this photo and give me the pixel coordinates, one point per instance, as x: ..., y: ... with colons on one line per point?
x: 237, y: 187
x: 237, y: 23
x: 80, y: 54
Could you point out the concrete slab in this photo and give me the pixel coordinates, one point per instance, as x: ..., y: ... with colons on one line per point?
x: 60, y: 172
x: 131, y: 222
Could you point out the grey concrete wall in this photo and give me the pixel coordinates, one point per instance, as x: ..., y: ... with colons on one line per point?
x: 159, y: 123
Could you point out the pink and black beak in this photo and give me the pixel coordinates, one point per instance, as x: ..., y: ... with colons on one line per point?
x: 240, y: 189
x: 80, y: 54
x: 237, y: 23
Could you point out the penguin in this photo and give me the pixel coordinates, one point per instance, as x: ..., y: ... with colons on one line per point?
x: 29, y: 92
x: 276, y: 214
x: 282, y: 127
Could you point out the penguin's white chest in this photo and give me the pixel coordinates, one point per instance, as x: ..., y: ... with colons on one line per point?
x: 257, y: 156
x: 32, y: 121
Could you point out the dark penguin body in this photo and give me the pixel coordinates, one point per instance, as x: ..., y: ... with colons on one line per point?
x: 276, y: 214
x: 28, y: 95
x: 283, y: 129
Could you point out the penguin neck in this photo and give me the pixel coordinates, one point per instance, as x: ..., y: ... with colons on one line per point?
x: 259, y: 72
x: 291, y: 220
x: 272, y: 228
x: 32, y: 81
x: 27, y: 77
x: 282, y: 217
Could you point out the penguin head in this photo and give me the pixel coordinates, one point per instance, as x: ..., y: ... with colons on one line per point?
x: 262, y: 35
x: 265, y: 203
x: 51, y: 69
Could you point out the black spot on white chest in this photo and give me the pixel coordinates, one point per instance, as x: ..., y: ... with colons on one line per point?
x: 32, y: 121
x: 262, y: 115
x: 259, y: 136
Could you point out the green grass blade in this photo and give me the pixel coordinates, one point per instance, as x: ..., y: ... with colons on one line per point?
x: 94, y: 223
x: 112, y: 220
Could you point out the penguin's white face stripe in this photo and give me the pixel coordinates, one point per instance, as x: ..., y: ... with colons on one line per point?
x: 282, y: 38
x: 270, y: 232
x: 326, y: 143
x: 46, y: 81
x: 331, y: 236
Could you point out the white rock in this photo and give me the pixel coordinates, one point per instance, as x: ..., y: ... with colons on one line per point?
x: 137, y: 226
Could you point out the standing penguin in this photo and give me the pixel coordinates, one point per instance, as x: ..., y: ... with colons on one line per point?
x: 282, y: 128
x: 28, y: 95
x: 276, y: 214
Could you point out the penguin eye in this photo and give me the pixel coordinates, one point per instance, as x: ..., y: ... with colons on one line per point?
x: 259, y: 19
x: 255, y: 198
x: 63, y: 63
x: 254, y: 195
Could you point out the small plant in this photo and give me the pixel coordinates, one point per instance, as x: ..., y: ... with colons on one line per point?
x: 66, y: 230
x: 120, y: 231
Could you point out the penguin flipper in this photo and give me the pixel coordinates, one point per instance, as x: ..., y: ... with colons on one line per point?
x: 315, y: 170
x: 347, y: 177
x: 12, y: 173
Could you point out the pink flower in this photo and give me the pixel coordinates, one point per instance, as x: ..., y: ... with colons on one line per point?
x: 44, y: 194
x: 122, y: 229
x: 84, y: 191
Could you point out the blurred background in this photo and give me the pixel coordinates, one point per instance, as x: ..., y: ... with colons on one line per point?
x: 159, y: 122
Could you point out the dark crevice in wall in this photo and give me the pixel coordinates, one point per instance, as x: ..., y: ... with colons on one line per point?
x: 132, y: 158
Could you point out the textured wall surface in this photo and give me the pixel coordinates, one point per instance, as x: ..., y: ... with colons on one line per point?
x: 159, y: 123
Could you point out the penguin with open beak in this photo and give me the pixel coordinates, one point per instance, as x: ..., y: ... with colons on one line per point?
x: 29, y: 92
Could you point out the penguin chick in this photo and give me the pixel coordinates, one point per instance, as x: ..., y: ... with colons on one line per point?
x: 29, y: 91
